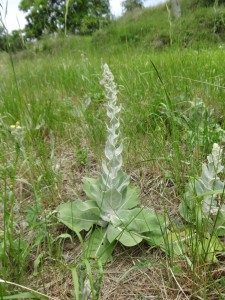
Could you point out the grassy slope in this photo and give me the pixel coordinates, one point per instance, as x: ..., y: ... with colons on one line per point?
x: 155, y: 28
x: 63, y: 140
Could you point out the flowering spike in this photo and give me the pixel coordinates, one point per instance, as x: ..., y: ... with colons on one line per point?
x: 113, y: 151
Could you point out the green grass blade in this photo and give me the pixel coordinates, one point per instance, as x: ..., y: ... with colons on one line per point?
x: 76, y: 283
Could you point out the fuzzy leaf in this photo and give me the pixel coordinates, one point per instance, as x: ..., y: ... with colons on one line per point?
x: 186, y: 209
x: 98, y: 246
x: 92, y: 188
x: 119, y: 150
x: 105, y: 168
x: 220, y: 222
x: 116, y: 162
x: 204, y: 190
x: 139, y: 220
x: 111, y: 202
x: 79, y: 215
x: 122, y: 182
x: 154, y: 238
x: 109, y: 150
x: 132, y: 197
x: 127, y: 238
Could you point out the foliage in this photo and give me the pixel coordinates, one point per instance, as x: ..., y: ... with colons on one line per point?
x: 149, y: 28
x: 129, y: 5
x: 53, y: 15
x: 111, y: 199
x: 13, y: 41
x: 2, y: 37
x: 204, y: 211
x: 86, y: 284
x: 10, y: 42
x: 194, y: 118
x: 210, y: 2
x: 204, y: 195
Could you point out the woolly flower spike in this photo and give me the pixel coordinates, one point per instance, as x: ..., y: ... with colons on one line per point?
x: 109, y: 84
x: 208, y: 187
x: 112, y: 150
x: 210, y: 181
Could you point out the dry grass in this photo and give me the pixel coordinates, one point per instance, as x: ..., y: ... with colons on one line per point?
x: 139, y: 272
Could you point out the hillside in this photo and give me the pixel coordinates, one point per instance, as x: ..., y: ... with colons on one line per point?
x: 155, y: 27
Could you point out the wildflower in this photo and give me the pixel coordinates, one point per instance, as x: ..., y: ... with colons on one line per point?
x: 17, y: 132
x: 16, y: 126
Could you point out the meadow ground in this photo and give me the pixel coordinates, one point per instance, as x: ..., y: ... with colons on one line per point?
x: 52, y: 132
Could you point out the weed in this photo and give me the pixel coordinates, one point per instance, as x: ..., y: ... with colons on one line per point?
x: 111, y: 200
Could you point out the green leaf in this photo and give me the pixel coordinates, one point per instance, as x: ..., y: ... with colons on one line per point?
x: 98, y: 246
x: 181, y: 243
x: 127, y: 238
x: 140, y: 220
x: 154, y: 238
x: 176, y: 243
x: 219, y: 222
x: 122, y: 182
x: 208, y: 247
x: 79, y: 215
x: 64, y: 236
x: 212, y: 192
x: 76, y: 283
x: 186, y: 211
x: 22, y: 296
x: 92, y: 188
x: 37, y: 262
x: 132, y: 197
x: 112, y: 201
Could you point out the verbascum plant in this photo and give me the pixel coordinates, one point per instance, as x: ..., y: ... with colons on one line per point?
x: 205, y: 192
x: 204, y: 211
x: 109, y: 214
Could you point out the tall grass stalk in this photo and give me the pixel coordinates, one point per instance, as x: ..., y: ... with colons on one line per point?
x: 66, y: 14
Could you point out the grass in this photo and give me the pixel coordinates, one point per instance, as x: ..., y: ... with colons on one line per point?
x: 53, y: 91
x: 155, y: 28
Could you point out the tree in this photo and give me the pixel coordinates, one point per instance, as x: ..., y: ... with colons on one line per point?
x: 129, y: 5
x: 11, y: 42
x: 2, y: 37
x: 49, y: 15
x: 175, y: 7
